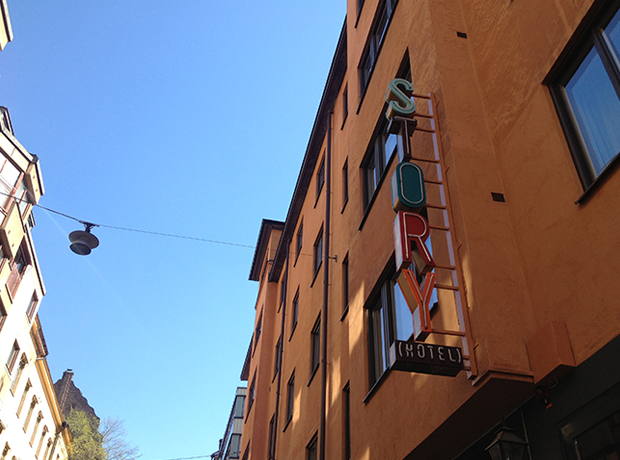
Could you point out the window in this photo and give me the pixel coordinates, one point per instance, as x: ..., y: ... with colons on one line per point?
x: 345, y: 184
x: 246, y: 453
x: 272, y: 437
x: 20, y: 368
x: 295, y: 312
x: 24, y: 394
x: 36, y: 427
x: 346, y: 400
x: 389, y: 319
x: 239, y: 403
x: 345, y: 285
x: 18, y: 268
x: 300, y: 239
x: 382, y: 147
x: 375, y: 40
x: 345, y: 105
x: 318, y: 252
x: 290, y: 398
x: 43, y: 433
x: 47, y: 448
x: 259, y: 326
x: 283, y: 289
x: 251, y: 394
x: 311, y: 448
x: 234, y: 448
x: 10, y: 363
x: 32, y: 306
x: 9, y: 178
x: 585, y: 86
x: 277, y: 358
x: 3, y: 315
x: 320, y: 178
x: 315, y: 351
x: 30, y: 411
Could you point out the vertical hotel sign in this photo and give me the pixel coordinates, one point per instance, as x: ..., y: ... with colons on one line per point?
x: 415, y: 265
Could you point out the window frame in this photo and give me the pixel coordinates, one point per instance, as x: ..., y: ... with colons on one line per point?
x: 374, y: 43
x: 290, y: 399
x: 312, y: 448
x: 251, y: 395
x: 294, y: 313
x: 315, y: 348
x: 277, y: 359
x: 345, y: 286
x: 318, y: 253
x: 588, y: 36
x: 300, y: 239
x: 320, y: 179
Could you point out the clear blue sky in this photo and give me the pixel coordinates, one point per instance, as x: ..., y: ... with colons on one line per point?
x: 187, y: 117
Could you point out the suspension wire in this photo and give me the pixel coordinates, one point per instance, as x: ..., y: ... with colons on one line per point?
x: 91, y: 224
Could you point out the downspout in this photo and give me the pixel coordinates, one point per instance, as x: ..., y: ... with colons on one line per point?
x: 324, y: 311
x: 280, y: 353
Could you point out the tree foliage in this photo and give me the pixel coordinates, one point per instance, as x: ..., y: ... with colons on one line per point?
x: 94, y: 442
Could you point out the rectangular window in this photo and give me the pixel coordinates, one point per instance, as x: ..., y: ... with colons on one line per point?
x: 3, y: 315
x: 346, y: 399
x: 277, y: 358
x: 382, y: 148
x: 345, y: 184
x: 318, y: 252
x: 32, y: 306
x: 345, y: 105
x: 239, y: 404
x: 320, y: 178
x: 311, y: 448
x: 300, y: 239
x: 315, y: 344
x: 10, y: 363
x: 388, y: 319
x: 251, y: 394
x: 373, y: 45
x: 294, y: 312
x: 283, y: 289
x: 234, y: 448
x: 585, y: 86
x: 259, y: 327
x: 290, y: 398
x: 345, y: 285
x: 272, y: 437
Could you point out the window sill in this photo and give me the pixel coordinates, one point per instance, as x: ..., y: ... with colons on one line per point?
x: 602, y: 177
x: 377, y: 385
x: 292, y: 331
x: 316, y: 274
x: 288, y: 421
x: 344, y: 313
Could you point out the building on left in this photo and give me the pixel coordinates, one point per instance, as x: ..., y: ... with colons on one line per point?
x: 31, y: 422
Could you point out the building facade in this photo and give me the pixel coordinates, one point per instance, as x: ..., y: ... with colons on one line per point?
x: 517, y: 107
x: 230, y: 444
x: 31, y: 423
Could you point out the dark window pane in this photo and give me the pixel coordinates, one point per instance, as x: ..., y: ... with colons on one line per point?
x: 404, y: 320
x: 613, y: 32
x: 597, y: 110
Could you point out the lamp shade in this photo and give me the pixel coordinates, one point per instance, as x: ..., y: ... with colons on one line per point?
x: 507, y: 445
x: 82, y: 242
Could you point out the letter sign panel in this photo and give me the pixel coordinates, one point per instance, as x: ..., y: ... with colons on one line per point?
x: 426, y: 358
x: 410, y: 232
x: 408, y: 191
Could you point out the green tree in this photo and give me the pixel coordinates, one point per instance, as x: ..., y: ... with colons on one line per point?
x: 91, y: 442
x: 87, y: 441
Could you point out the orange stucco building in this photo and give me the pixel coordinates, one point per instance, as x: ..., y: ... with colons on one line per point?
x: 518, y: 116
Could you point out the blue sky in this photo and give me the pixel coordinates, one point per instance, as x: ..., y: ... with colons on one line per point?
x: 188, y: 118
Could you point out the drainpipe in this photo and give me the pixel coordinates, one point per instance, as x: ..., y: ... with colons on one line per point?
x: 279, y: 358
x: 324, y: 311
